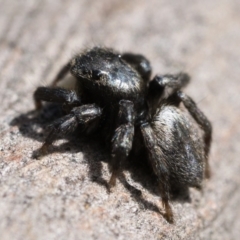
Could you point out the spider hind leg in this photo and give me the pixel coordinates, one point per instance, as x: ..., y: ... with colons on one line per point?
x: 159, y: 166
x: 203, y: 122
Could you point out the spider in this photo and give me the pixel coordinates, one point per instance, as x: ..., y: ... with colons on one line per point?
x: 114, y: 95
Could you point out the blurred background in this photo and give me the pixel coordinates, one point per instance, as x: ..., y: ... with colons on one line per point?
x: 55, y: 198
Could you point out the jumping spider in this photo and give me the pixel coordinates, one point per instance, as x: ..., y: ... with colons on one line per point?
x: 114, y: 95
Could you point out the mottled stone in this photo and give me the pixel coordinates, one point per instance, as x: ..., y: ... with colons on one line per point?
x: 63, y: 195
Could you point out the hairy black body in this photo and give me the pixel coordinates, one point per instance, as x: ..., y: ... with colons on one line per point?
x: 114, y: 95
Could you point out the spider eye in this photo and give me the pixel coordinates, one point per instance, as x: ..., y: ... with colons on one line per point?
x: 96, y: 74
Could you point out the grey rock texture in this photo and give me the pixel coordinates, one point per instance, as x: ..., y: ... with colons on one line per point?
x: 63, y: 195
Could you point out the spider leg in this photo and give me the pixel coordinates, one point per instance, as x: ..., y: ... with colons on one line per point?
x: 122, y: 138
x: 61, y: 74
x: 79, y: 115
x: 172, y: 81
x: 160, y: 167
x: 57, y: 95
x: 203, y: 122
x: 140, y: 63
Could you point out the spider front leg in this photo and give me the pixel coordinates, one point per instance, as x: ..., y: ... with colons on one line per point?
x: 84, y: 115
x: 122, y: 138
x: 140, y: 63
x: 160, y: 167
x: 203, y: 122
x: 58, y: 95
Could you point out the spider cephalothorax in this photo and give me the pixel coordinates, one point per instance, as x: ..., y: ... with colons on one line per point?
x: 114, y: 91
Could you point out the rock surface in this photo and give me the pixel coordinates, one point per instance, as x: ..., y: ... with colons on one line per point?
x: 63, y: 195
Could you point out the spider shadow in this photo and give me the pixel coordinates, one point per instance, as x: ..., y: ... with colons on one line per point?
x: 141, y: 172
x: 32, y: 125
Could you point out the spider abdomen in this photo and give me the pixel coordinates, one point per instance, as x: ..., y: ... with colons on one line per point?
x: 182, y: 145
